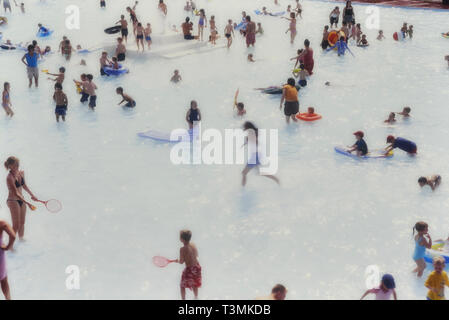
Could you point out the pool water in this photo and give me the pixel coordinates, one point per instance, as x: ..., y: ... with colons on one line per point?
x: 125, y: 202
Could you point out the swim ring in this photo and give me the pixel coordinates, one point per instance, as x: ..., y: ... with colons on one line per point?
x: 115, y: 72
x: 438, y: 249
x: 42, y: 34
x: 308, y: 116
x: 398, y: 36
x: 112, y: 30
x: 5, y: 46
x: 333, y: 37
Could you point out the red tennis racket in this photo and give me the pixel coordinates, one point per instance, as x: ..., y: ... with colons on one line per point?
x: 52, y: 205
x: 162, y: 262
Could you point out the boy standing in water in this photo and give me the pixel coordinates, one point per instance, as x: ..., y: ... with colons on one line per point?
x: 130, y: 102
x: 59, y: 77
x: 61, y: 102
x: 437, y: 280
x: 88, y: 91
x: 229, y: 32
x: 188, y: 254
x: 123, y: 27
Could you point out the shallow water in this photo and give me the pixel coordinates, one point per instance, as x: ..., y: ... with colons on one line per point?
x: 124, y: 201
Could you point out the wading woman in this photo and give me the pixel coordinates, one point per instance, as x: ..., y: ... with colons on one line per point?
x: 16, y: 202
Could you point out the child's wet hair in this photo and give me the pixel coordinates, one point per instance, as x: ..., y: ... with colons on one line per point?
x: 422, y: 180
x: 420, y: 226
x: 119, y: 90
x: 407, y: 109
x: 311, y: 109
x: 240, y: 106
x: 279, y: 288
x: 301, y: 66
x: 90, y: 77
x: 185, y: 235
x: 438, y: 260
x: 62, y: 69
x: 291, y: 82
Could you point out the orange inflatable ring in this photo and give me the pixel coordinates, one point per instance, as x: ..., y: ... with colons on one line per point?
x: 308, y: 116
x: 334, y: 36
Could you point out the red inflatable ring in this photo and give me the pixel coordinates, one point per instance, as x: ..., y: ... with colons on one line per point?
x: 308, y: 116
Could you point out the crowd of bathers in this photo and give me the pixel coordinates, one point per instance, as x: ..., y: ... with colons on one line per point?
x: 247, y: 29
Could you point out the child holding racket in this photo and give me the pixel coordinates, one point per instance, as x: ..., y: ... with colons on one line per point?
x: 188, y: 254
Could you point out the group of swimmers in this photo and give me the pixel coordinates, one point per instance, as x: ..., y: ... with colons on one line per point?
x: 191, y: 277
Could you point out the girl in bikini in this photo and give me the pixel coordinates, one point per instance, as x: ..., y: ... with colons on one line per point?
x: 16, y: 202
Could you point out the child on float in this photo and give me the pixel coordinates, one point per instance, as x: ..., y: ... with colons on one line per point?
x: 360, y: 145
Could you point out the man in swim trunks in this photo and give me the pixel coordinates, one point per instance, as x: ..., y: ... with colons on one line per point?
x: 123, y: 27
x: 187, y: 27
x: 290, y: 95
x: 188, y: 254
x: 4, y: 226
x: 401, y: 143
x: 360, y: 145
x: 61, y: 101
x: 250, y: 32
x: 31, y: 63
